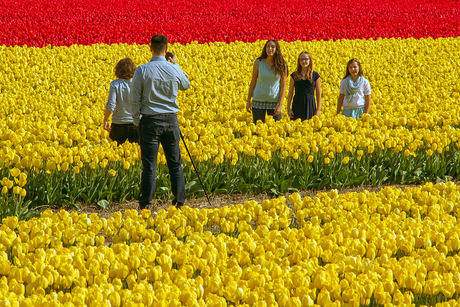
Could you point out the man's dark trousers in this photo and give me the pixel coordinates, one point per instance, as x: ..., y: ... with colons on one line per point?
x: 153, y: 130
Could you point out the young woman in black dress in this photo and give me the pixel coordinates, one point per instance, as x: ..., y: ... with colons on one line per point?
x: 304, y: 80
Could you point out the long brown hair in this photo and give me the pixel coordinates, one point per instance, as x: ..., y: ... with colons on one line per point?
x: 279, y: 64
x: 298, y: 72
x: 360, y: 72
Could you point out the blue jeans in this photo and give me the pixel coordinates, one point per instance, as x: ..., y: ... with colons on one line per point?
x: 259, y: 114
x: 354, y: 113
x: 154, y: 130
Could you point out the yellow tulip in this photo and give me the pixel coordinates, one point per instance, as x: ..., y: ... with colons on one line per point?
x: 15, y: 172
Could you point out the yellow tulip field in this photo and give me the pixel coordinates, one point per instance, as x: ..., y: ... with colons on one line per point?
x: 388, y: 248
x: 391, y: 248
x: 54, y: 149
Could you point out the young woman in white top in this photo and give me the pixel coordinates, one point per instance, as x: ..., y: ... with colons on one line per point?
x: 355, y: 92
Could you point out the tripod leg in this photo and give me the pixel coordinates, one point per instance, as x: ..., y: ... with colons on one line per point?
x: 196, y: 170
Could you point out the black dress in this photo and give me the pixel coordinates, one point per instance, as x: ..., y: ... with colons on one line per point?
x: 304, y: 105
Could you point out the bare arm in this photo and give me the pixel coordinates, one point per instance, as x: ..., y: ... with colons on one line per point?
x: 318, y: 96
x: 110, y: 106
x: 367, y: 106
x: 279, y: 107
x: 340, y: 102
x: 106, y: 119
x: 290, y: 94
x: 255, y: 74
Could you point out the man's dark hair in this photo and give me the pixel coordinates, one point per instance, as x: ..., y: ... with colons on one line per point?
x: 159, y: 43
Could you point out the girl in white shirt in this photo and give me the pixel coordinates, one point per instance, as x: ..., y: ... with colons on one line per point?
x: 355, y: 92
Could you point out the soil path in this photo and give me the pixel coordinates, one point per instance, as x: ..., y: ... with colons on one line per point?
x: 217, y: 201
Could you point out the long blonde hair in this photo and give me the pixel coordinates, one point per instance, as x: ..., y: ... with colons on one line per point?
x: 298, y: 72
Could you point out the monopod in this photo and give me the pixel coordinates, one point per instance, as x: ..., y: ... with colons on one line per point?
x: 196, y: 170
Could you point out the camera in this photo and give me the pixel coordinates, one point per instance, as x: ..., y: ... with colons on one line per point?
x: 169, y: 56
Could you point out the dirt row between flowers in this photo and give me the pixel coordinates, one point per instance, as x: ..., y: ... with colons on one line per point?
x: 216, y: 201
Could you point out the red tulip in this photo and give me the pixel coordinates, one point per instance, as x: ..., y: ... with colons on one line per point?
x: 85, y: 22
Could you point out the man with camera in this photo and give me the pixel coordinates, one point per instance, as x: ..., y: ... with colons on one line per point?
x: 154, y: 107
